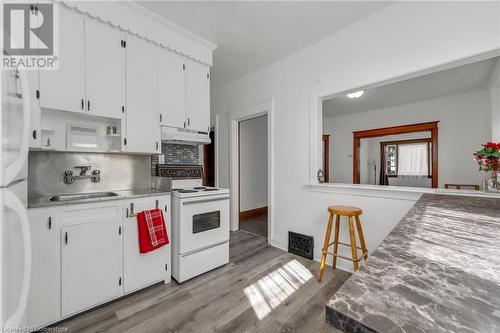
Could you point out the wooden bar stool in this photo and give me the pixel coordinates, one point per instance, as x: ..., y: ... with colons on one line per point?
x: 349, y: 212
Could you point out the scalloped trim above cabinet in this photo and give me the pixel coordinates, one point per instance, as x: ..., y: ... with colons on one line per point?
x: 137, y: 20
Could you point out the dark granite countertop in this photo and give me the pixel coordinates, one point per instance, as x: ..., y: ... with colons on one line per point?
x: 437, y: 271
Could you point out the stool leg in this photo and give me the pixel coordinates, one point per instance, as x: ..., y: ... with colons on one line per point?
x: 325, y: 248
x: 353, y: 245
x: 361, y: 237
x: 336, y: 240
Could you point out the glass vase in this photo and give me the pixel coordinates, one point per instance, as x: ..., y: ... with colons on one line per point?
x: 492, y: 182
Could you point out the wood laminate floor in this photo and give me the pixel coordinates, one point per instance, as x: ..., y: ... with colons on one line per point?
x: 262, y: 289
x: 256, y: 225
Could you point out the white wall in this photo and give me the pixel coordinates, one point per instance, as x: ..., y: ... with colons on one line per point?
x: 403, y: 38
x: 464, y: 124
x: 495, y: 103
x: 253, y: 163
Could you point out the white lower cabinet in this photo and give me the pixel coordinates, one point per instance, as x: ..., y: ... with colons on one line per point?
x: 143, y: 269
x: 91, y: 256
x: 88, y: 254
x: 43, y: 304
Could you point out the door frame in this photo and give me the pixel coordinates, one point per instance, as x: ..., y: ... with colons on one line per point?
x: 263, y: 109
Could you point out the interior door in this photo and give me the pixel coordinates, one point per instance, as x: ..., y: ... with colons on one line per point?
x: 172, y: 89
x: 143, y: 269
x: 105, y: 69
x: 198, y: 96
x: 64, y: 88
x: 143, y: 131
x: 92, y: 254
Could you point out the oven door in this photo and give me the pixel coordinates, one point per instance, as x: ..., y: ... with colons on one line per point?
x: 204, y: 222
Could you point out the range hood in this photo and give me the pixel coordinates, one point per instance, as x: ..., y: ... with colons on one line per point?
x: 179, y: 136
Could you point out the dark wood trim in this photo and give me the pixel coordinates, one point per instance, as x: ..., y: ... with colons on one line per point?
x: 209, y: 161
x: 434, y: 142
x: 326, y: 156
x: 402, y: 129
x: 355, y: 160
x: 253, y: 212
x: 403, y: 142
x: 459, y: 186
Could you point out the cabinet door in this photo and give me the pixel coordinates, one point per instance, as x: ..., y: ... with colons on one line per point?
x: 92, y: 256
x: 172, y: 89
x: 44, y: 296
x: 36, y: 115
x: 143, y: 269
x: 198, y: 96
x: 64, y: 88
x: 143, y: 131
x: 105, y: 69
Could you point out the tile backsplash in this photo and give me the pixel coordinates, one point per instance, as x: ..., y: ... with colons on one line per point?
x: 177, y: 154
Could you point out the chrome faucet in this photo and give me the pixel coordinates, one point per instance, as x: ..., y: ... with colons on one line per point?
x: 95, y: 177
x: 83, y: 169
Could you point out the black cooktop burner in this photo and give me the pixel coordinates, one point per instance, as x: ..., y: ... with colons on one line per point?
x: 176, y: 189
x: 199, y: 188
x: 187, y: 191
x: 211, y: 189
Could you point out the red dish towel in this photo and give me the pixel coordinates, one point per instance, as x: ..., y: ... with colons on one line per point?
x: 152, y: 230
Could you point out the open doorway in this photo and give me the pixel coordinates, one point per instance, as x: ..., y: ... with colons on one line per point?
x: 265, y: 109
x: 253, y: 182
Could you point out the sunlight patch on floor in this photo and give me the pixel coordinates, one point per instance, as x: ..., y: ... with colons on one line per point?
x: 271, y: 290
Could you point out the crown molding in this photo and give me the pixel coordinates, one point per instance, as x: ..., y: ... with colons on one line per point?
x: 169, y: 24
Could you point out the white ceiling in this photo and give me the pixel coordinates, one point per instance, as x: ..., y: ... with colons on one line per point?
x: 253, y: 34
x: 452, y: 81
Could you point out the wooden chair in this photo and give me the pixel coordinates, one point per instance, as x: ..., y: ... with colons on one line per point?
x: 459, y: 186
x: 348, y: 212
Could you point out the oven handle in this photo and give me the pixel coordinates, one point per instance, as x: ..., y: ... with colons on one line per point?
x: 202, y: 201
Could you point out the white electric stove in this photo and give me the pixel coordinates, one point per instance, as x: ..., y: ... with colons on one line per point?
x: 200, y: 222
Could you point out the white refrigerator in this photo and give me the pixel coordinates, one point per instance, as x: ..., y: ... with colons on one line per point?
x: 15, y: 240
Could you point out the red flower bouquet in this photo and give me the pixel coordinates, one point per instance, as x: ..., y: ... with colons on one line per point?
x: 488, y: 159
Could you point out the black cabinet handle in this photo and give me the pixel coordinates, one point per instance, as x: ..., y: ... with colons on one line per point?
x: 34, y: 135
x: 156, y: 145
x: 88, y: 105
x: 83, y: 104
x: 49, y: 223
x: 161, y: 117
x: 65, y: 238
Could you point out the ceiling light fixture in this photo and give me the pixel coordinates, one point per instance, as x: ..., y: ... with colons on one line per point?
x: 356, y: 94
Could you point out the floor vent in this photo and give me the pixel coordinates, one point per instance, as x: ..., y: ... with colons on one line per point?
x: 301, y: 245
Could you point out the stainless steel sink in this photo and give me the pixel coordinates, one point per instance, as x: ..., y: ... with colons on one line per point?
x: 73, y: 197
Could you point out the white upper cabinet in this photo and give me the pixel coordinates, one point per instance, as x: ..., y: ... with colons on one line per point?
x: 105, y: 72
x: 64, y: 88
x: 143, y: 132
x: 172, y: 89
x: 198, y: 96
x: 105, y: 69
